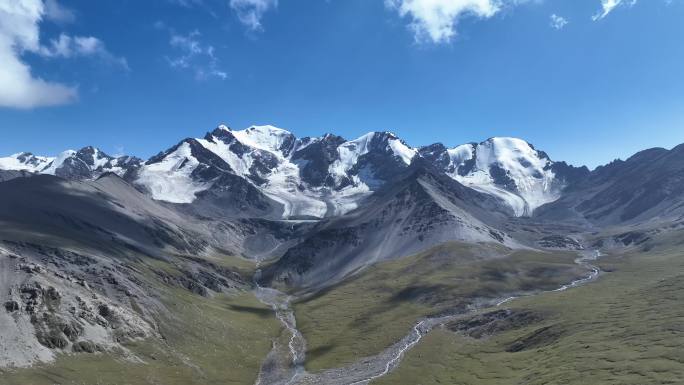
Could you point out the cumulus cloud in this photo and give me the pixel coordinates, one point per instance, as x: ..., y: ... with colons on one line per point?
x: 19, y: 33
x: 195, y: 56
x: 436, y: 20
x: 250, y: 12
x: 558, y: 22
x: 607, y: 6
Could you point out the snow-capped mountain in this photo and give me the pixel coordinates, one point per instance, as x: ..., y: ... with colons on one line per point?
x: 24, y: 161
x: 86, y: 163
x: 422, y: 207
x: 290, y: 177
x: 308, y: 177
x: 508, y: 168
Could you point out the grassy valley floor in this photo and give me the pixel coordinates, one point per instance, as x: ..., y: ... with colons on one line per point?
x: 369, y: 312
x: 625, y: 328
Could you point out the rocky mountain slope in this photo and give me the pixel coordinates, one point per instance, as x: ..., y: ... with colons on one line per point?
x: 71, y: 265
x: 89, y: 242
x: 648, y: 186
x: 415, y: 211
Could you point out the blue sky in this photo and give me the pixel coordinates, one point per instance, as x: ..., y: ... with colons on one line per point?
x: 585, y: 80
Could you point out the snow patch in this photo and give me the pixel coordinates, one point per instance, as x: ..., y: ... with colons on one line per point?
x: 100, y: 159
x: 267, y: 138
x: 58, y: 162
x: 402, y: 151
x: 460, y: 154
x: 170, y: 179
x: 240, y: 165
x: 349, y: 153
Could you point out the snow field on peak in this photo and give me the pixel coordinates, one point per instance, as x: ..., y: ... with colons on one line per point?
x: 283, y: 184
x: 349, y: 153
x: 460, y: 154
x: 99, y: 159
x: 267, y: 138
x: 13, y: 163
x: 116, y: 168
x: 50, y: 165
x: 57, y: 163
x: 170, y: 180
x: 522, y: 164
x: 240, y: 165
x: 403, y: 151
x: 338, y: 202
x: 267, y: 152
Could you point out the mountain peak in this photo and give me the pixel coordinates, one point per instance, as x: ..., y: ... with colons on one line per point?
x: 508, y: 141
x: 268, y: 138
x: 89, y: 148
x: 388, y: 141
x: 267, y: 128
x: 24, y: 161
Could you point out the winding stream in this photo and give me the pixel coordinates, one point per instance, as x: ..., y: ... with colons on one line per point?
x: 275, y: 371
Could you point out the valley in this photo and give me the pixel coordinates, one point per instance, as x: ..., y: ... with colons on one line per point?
x: 582, y: 325
x: 349, y: 192
x: 255, y: 257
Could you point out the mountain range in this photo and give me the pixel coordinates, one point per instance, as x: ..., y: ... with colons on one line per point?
x: 311, y: 212
x: 313, y: 177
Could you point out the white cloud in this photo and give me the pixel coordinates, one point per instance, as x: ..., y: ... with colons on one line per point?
x: 57, y: 13
x: 558, y: 22
x: 189, y: 43
x: 20, y: 89
x: 250, y: 12
x: 188, y: 3
x: 19, y: 33
x: 195, y: 56
x: 436, y: 20
x: 82, y: 46
x: 607, y: 6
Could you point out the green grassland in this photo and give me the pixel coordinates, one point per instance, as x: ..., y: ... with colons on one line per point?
x: 625, y: 328
x: 372, y: 310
